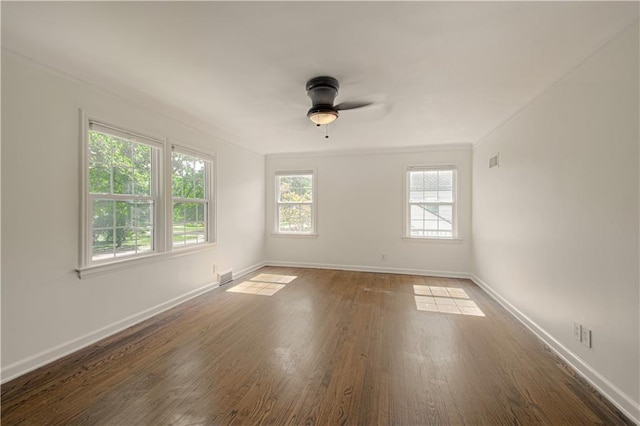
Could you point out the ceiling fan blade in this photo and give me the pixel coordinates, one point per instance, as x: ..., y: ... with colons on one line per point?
x: 351, y: 105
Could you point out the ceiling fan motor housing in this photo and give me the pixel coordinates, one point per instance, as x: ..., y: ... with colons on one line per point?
x: 323, y: 92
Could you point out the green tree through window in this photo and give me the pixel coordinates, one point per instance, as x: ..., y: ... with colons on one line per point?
x: 190, y: 199
x: 295, y: 203
x: 120, y: 193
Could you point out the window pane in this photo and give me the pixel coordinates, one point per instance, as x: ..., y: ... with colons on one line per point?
x: 295, y: 188
x: 125, y: 241
x: 122, y: 180
x: 121, y: 228
x: 118, y: 165
x: 294, y: 218
x: 417, y: 212
x: 445, y: 180
x: 431, y: 220
x: 102, y: 243
x: 123, y: 213
x: 99, y: 163
x: 99, y: 148
x: 431, y: 185
x: 100, y: 178
x: 144, y: 239
x: 177, y: 175
x: 430, y: 181
x: 199, y: 179
x: 188, y: 176
x: 103, y: 214
x: 122, y: 166
x: 189, y: 223
x: 142, y: 169
x: 142, y: 216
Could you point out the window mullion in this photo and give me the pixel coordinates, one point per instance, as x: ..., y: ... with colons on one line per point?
x: 120, y: 197
x: 189, y: 200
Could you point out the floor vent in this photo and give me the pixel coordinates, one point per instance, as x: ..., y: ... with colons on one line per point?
x: 225, y: 277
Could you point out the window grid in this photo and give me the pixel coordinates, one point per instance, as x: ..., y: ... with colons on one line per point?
x: 431, y: 203
x: 127, y: 198
x: 114, y: 227
x: 295, y: 203
x: 190, y: 189
x: 142, y: 233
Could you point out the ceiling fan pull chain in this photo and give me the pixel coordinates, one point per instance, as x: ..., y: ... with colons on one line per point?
x: 326, y: 128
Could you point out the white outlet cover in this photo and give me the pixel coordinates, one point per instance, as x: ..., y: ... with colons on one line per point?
x: 586, y: 337
x: 577, y: 331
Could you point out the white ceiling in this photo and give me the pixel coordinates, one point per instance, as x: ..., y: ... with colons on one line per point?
x: 440, y: 72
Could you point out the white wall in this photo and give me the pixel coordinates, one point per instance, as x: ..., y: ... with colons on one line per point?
x: 360, y: 214
x: 46, y: 309
x: 555, y: 227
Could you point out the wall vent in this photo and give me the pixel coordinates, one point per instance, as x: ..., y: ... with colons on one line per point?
x: 225, y: 277
x: 493, y: 161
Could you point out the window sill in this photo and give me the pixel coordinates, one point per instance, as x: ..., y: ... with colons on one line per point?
x: 127, y: 263
x: 434, y: 240
x: 285, y: 235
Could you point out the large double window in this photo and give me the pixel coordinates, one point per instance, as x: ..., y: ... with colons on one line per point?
x: 431, y: 202
x: 130, y: 184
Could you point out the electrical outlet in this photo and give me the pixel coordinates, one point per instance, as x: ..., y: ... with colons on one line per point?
x: 586, y: 337
x: 577, y: 331
x: 494, y: 161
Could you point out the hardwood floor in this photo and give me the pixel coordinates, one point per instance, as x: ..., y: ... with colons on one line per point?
x: 329, y: 347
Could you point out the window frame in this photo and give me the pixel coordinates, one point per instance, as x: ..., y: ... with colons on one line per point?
x: 406, y: 234
x: 314, y: 185
x: 209, y: 200
x: 163, y: 212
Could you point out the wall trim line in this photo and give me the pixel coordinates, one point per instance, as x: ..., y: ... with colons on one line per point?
x: 607, y: 389
x: 412, y: 149
x: 248, y: 270
x: 48, y: 356
x: 361, y: 268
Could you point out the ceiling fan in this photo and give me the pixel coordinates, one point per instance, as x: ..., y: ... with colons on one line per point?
x: 323, y: 92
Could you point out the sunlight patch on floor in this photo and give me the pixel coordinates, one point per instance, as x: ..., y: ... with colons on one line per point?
x: 427, y: 290
x: 263, y: 284
x: 273, y: 278
x: 446, y: 300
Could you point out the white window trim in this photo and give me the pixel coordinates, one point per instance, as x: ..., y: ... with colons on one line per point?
x: 210, y: 192
x: 162, y: 213
x: 406, y: 233
x: 314, y: 204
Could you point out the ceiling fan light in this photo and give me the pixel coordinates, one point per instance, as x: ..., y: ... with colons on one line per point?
x: 323, y: 116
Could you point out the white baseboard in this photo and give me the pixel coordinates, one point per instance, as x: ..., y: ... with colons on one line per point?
x: 26, y: 365
x: 610, y: 391
x: 620, y: 399
x: 249, y: 269
x: 360, y: 268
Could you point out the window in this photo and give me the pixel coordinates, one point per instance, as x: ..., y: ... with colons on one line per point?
x: 122, y: 192
x: 295, y: 198
x: 431, y: 211
x: 191, y: 192
x: 141, y: 197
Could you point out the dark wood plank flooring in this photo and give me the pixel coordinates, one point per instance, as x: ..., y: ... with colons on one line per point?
x: 329, y: 347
